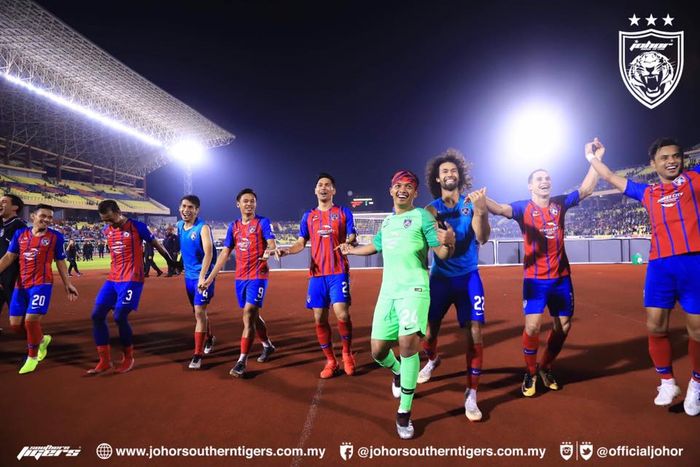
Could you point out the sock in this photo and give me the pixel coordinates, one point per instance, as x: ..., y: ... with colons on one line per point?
x: 34, y: 336
x: 345, y: 330
x: 475, y: 356
x: 390, y: 362
x: 660, y: 353
x: 409, y: 378
x: 199, y: 338
x: 245, y: 345
x: 430, y: 349
x: 104, y: 352
x: 323, y: 332
x: 530, y: 346
x: 555, y: 341
x: 694, y: 354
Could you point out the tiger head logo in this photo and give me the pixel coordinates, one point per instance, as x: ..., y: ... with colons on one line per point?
x: 651, y: 73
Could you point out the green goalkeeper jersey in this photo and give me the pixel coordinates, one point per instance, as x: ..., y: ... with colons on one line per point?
x: 403, y: 240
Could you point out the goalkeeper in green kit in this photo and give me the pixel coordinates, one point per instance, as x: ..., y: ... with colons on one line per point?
x: 401, y: 312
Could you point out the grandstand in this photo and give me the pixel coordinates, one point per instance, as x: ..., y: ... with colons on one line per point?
x: 76, y: 125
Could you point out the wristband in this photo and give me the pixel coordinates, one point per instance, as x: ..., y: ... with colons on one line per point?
x: 590, y: 157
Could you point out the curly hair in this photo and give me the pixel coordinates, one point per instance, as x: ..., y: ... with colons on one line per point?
x: 433, y: 167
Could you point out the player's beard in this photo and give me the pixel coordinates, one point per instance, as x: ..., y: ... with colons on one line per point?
x: 449, y: 185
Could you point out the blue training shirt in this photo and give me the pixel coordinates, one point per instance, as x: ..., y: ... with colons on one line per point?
x: 466, y: 255
x: 192, y: 249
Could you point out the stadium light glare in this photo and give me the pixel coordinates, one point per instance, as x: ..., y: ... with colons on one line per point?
x: 188, y: 152
x: 62, y: 101
x: 535, y: 134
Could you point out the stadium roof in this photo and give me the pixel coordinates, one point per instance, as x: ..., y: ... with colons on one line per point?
x: 133, y: 120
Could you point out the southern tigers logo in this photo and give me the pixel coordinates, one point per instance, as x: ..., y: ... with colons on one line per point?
x: 680, y: 180
x: 193, y: 236
x: 554, y: 210
x: 466, y: 211
x: 45, y: 242
x: 651, y: 61
x: 407, y: 223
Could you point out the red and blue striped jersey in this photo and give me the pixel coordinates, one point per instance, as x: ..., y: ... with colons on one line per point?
x: 327, y: 230
x: 126, y: 250
x: 543, y: 235
x: 36, y: 253
x: 674, y: 212
x: 248, y: 242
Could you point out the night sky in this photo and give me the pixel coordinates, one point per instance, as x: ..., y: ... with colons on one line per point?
x: 361, y: 89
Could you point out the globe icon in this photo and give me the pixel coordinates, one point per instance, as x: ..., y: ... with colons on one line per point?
x: 104, y: 451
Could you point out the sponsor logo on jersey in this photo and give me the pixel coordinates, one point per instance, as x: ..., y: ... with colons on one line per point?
x: 325, y: 231
x: 550, y: 230
x: 670, y: 200
x: 243, y: 244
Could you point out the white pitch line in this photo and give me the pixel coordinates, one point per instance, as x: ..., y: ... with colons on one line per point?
x: 309, y: 423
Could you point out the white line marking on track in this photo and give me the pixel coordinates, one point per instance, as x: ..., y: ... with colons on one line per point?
x: 309, y: 423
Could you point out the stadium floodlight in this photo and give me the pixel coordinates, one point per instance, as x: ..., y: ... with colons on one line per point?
x: 534, y: 134
x: 62, y: 101
x: 188, y: 152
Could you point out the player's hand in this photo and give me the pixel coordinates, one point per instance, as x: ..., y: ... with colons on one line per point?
x: 204, y: 284
x: 273, y: 252
x: 446, y: 236
x: 72, y: 292
x: 345, y: 248
x: 596, y: 148
x: 478, y: 199
x: 282, y: 252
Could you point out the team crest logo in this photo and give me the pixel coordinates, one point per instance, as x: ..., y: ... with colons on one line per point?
x: 346, y: 450
x: 554, y: 210
x: 251, y: 229
x: 566, y: 449
x: 127, y: 235
x: 45, y: 242
x: 680, y: 180
x: 466, y: 211
x: 193, y: 236
x: 651, y: 61
x: 335, y: 217
x: 535, y: 213
x: 407, y: 223
x: 585, y: 450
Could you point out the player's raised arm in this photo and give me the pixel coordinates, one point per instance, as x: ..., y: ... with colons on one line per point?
x: 480, y: 220
x: 499, y: 209
x: 596, y: 149
x: 603, y: 170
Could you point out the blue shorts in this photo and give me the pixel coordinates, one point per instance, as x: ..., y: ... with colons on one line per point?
x: 465, y: 292
x: 196, y: 296
x: 555, y: 294
x: 251, y: 291
x: 32, y: 301
x: 122, y: 295
x: 326, y: 290
x: 671, y: 279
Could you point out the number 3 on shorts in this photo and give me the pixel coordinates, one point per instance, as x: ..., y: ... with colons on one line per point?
x: 129, y: 293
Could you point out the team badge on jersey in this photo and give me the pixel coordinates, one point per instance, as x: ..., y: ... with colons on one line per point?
x: 45, y: 242
x: 466, y: 211
x: 651, y: 61
x: 535, y: 213
x: 251, y: 229
x: 680, y: 180
x: 127, y: 235
x: 407, y: 223
x: 554, y: 210
x: 193, y: 236
x: 335, y: 217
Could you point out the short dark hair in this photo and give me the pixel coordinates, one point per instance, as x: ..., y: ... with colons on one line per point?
x: 16, y: 201
x: 43, y: 206
x: 246, y: 191
x: 194, y: 199
x: 660, y: 143
x: 432, y: 170
x: 532, y: 174
x: 107, y: 205
x: 326, y: 175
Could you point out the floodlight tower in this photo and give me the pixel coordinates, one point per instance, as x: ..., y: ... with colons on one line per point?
x: 188, y: 153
